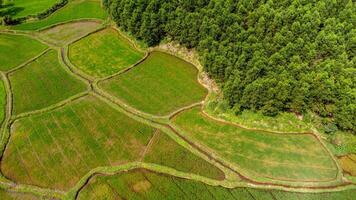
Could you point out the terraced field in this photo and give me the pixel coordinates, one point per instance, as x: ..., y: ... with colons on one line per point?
x: 88, y: 114
x: 276, y: 156
x: 66, y: 33
x: 161, y: 84
x: 23, y: 8
x: 17, y: 49
x: 41, y: 83
x: 74, y: 10
x: 142, y: 184
x: 103, y: 53
x: 164, y: 151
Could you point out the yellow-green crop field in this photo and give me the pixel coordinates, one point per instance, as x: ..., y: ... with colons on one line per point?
x: 160, y: 85
x: 89, y: 112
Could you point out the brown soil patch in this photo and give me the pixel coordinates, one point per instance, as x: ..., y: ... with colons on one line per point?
x: 348, y: 165
x: 65, y: 33
x: 141, y: 186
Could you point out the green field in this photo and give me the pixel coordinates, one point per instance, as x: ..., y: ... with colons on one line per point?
x: 42, y: 83
x: 74, y: 10
x: 17, y: 49
x: 164, y: 151
x: 103, y: 53
x: 159, y: 85
x: 142, y: 184
x: 295, y: 157
x: 95, y: 104
x: 2, y: 101
x: 55, y: 149
x: 7, y: 195
x: 63, y: 34
x: 23, y: 8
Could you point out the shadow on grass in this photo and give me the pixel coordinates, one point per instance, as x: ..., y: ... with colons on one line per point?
x: 10, y: 9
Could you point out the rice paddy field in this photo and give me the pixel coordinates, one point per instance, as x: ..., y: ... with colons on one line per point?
x: 103, y: 53
x: 83, y: 135
x: 17, y: 49
x: 298, y: 157
x: 74, y: 10
x: 63, y: 34
x: 159, y: 85
x: 87, y: 114
x: 164, y: 151
x: 57, y: 148
x: 143, y: 184
x: 23, y: 8
x: 41, y: 83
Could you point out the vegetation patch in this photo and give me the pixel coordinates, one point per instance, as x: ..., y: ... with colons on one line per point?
x: 42, y: 83
x: 55, y: 149
x: 283, y: 122
x: 294, y: 157
x: 165, y: 151
x: 159, y: 85
x: 348, y: 164
x: 65, y: 33
x: 73, y: 11
x: 2, y: 101
x: 121, y: 186
x: 17, y: 49
x: 7, y: 195
x: 266, y: 56
x: 103, y: 53
x: 23, y: 8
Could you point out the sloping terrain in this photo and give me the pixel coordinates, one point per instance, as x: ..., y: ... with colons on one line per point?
x: 89, y: 113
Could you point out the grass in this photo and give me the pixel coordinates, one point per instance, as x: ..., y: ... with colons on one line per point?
x: 142, y: 184
x: 165, y: 151
x: 296, y: 157
x: 63, y: 34
x: 73, y: 11
x: 42, y: 83
x: 283, y: 122
x: 2, y: 101
x: 103, y: 53
x: 159, y: 85
x: 23, y: 8
x: 55, y: 149
x: 17, y: 49
x: 341, y: 142
x: 7, y: 195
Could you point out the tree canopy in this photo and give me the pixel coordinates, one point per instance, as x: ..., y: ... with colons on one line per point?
x: 272, y: 56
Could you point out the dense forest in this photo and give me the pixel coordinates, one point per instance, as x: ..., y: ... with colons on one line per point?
x: 268, y: 56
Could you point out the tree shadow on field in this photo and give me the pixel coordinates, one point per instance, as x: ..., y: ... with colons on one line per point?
x: 10, y: 9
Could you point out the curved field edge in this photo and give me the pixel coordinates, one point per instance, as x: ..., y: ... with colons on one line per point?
x: 72, y: 11
x: 173, y: 78
x: 25, y: 8
x: 99, y: 46
x: 18, y: 49
x: 72, y: 194
x: 141, y: 114
x: 146, y: 184
x: 246, y: 174
x: 64, y: 33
